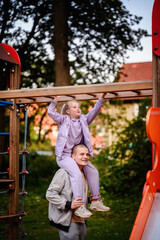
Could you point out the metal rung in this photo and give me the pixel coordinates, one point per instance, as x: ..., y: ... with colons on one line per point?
x: 5, y: 103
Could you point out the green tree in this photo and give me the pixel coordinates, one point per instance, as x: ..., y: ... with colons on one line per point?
x: 94, y: 37
x: 25, y: 25
x: 100, y: 32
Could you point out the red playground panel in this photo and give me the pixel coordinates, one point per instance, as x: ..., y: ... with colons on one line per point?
x: 149, y: 210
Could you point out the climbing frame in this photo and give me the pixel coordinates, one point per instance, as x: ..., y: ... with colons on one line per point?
x: 13, y: 216
x: 139, y: 89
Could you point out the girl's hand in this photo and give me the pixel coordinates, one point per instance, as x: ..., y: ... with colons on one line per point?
x: 56, y: 98
x: 102, y: 96
x: 76, y: 203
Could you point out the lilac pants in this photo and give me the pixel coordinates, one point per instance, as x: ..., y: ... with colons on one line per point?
x: 67, y: 163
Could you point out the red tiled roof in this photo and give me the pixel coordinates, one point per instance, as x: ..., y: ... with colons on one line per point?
x: 136, y: 72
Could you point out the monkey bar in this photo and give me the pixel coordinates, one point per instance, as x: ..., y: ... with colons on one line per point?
x: 130, y: 90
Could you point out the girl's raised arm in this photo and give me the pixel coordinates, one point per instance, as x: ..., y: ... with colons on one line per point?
x: 96, y: 109
x: 57, y: 117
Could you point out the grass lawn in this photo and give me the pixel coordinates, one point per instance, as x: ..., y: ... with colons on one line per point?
x: 115, y: 225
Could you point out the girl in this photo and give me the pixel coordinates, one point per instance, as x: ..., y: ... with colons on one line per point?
x: 73, y: 130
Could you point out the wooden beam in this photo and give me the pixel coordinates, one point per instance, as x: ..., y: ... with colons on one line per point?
x: 11, y: 219
x: 76, y: 90
x: 6, y: 181
x: 7, y: 184
x: 14, y: 156
x: 83, y: 97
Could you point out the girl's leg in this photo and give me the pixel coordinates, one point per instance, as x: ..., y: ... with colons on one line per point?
x: 71, y: 167
x: 92, y: 176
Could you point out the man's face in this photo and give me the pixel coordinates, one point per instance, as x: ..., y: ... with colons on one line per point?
x: 81, y: 156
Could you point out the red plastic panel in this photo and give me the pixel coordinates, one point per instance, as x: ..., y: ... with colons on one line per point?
x: 9, y: 54
x: 12, y: 52
x: 153, y: 177
x: 156, y: 28
x: 142, y: 215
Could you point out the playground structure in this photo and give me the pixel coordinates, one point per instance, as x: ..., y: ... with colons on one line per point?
x: 28, y: 96
x: 86, y: 92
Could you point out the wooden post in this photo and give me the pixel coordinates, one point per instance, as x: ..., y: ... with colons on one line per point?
x: 14, y: 157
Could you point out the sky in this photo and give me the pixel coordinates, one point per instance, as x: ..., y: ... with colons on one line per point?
x: 141, y: 8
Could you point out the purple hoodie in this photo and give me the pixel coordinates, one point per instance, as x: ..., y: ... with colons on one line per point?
x: 64, y: 122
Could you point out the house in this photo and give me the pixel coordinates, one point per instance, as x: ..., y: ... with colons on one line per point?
x: 136, y: 72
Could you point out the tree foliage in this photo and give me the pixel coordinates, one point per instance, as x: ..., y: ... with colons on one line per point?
x: 124, y: 165
x: 99, y: 34
x: 25, y: 26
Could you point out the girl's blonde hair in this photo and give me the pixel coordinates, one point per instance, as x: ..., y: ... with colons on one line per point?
x: 66, y: 106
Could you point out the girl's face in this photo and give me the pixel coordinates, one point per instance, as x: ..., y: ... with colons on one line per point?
x: 74, y: 110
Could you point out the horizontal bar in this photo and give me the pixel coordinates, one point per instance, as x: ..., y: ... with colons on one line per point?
x: 7, y: 184
x: 4, y: 133
x: 3, y: 173
x: 76, y: 90
x: 3, y: 153
x: 10, y: 218
x: 81, y: 97
x: 5, y: 103
x: 2, y: 192
x: 6, y: 180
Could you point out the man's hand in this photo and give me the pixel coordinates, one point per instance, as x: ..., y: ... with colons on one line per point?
x: 76, y: 203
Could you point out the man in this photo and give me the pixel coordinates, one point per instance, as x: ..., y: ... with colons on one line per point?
x: 61, y: 203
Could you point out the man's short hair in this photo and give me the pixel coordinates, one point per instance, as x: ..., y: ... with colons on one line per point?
x: 74, y: 149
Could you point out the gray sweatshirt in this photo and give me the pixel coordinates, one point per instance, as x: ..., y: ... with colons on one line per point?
x: 59, y: 194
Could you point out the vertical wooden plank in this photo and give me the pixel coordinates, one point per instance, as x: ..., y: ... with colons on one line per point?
x: 14, y: 156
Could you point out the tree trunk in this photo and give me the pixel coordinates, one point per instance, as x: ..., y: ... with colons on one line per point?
x: 60, y: 43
